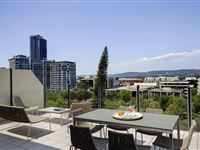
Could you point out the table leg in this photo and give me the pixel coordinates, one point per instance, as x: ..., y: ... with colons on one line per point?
x: 178, y: 130
x: 61, y: 119
x: 171, y: 141
x: 50, y: 117
x: 74, y: 121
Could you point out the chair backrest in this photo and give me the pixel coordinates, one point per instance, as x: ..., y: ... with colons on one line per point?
x: 77, y: 112
x: 121, y: 141
x: 12, y: 113
x: 154, y: 110
x: 81, y: 138
x: 187, y: 140
x: 85, y: 107
x: 123, y: 108
x: 17, y: 101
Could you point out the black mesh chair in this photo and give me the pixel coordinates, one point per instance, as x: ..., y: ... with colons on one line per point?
x: 118, y: 127
x: 123, y: 141
x: 93, y: 127
x: 81, y: 138
x: 179, y: 144
x: 149, y: 132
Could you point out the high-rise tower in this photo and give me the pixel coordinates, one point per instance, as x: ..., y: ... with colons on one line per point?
x: 38, y: 47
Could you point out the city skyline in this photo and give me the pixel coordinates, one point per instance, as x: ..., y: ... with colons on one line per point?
x: 139, y: 36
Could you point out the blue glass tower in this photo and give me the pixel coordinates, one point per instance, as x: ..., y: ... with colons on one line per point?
x: 38, y: 47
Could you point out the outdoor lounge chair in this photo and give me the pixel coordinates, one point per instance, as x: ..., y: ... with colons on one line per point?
x: 17, y: 101
x: 82, y: 138
x: 93, y: 128
x: 123, y: 141
x: 18, y: 114
x: 149, y: 132
x: 179, y: 144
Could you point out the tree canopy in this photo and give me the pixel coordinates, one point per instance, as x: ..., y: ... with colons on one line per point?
x: 101, y: 80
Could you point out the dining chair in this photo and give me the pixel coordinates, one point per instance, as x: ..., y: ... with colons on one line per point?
x: 179, y: 144
x: 82, y: 138
x: 123, y: 141
x: 149, y: 132
x: 118, y: 127
x: 85, y: 107
x: 93, y: 127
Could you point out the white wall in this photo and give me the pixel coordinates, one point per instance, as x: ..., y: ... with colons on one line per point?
x: 25, y: 85
x: 4, y: 86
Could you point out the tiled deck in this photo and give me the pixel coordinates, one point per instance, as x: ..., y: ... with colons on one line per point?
x: 14, y: 138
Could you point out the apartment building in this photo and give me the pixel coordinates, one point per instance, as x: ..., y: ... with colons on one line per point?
x: 25, y: 63
x: 19, y: 62
x: 160, y: 79
x: 62, y: 75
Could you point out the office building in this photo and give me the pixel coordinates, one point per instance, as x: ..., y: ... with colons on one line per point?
x: 53, y: 75
x: 160, y: 79
x: 89, y: 81
x: 62, y: 75
x: 24, y: 62
x: 19, y: 62
x: 37, y: 66
x: 38, y: 47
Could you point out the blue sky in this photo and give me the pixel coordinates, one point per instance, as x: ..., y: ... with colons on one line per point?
x: 140, y: 36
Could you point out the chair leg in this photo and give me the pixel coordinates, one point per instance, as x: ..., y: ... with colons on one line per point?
x: 142, y: 138
x: 104, y: 132
x: 136, y: 136
x: 49, y: 125
x: 71, y: 147
x: 29, y: 131
x: 68, y: 128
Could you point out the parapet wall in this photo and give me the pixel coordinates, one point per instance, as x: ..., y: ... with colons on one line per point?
x: 24, y: 84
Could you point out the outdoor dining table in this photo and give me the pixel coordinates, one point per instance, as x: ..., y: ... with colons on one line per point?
x: 149, y: 121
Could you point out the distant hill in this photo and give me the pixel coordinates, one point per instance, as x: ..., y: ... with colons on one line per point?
x: 181, y: 73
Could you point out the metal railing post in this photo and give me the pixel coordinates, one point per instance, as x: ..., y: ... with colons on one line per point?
x: 138, y: 98
x: 189, y: 106
x: 44, y: 82
x: 11, y: 86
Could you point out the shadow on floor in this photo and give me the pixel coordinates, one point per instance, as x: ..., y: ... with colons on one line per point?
x: 6, y: 124
x: 35, y: 132
x: 10, y: 142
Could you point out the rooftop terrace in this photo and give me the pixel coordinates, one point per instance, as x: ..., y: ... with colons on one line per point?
x: 13, y: 136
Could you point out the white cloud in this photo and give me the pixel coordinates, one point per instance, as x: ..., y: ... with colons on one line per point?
x: 185, y: 59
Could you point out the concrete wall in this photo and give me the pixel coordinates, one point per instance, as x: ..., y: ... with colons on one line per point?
x: 4, y: 87
x: 25, y: 85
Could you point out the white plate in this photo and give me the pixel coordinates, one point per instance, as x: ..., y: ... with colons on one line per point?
x: 128, y: 116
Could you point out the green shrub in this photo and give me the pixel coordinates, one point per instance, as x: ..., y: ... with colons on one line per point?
x: 61, y: 103
x: 111, y: 105
x: 154, y: 104
x: 125, y: 95
x: 178, y: 107
x: 56, y: 103
x: 51, y: 103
